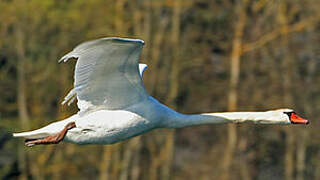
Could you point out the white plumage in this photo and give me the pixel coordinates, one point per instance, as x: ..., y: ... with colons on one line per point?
x: 114, y: 105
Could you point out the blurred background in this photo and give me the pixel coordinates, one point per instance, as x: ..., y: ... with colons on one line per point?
x: 203, y: 56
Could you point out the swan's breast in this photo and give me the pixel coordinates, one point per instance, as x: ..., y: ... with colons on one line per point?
x: 107, y: 127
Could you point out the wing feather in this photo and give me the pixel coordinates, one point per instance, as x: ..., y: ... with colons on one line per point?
x: 107, y: 74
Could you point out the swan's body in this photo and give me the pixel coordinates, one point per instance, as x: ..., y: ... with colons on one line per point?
x: 114, y: 106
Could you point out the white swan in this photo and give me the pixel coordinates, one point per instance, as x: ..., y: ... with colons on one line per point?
x: 114, y: 105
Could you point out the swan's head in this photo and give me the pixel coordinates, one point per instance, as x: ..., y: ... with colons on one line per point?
x: 288, y: 116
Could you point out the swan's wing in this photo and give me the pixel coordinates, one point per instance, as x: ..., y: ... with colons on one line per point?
x: 142, y: 68
x: 71, y: 96
x: 107, y: 74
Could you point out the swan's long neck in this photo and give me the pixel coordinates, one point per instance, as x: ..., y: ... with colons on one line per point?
x: 177, y: 120
x: 168, y: 118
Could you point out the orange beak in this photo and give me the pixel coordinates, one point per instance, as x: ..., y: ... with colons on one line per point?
x: 295, y: 119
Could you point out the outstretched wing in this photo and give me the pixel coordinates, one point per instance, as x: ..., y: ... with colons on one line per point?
x: 107, y: 74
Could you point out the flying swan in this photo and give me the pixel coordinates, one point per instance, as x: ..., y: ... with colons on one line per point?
x: 114, y: 106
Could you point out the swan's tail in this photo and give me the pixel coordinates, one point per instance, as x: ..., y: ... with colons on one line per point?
x: 46, y: 131
x: 36, y: 134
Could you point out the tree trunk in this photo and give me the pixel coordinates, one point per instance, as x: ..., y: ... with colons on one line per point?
x: 289, y: 155
x: 287, y: 67
x: 135, y: 165
x: 147, y: 24
x: 119, y: 27
x: 174, y: 85
x: 22, y: 98
x: 105, y: 163
x: 304, y: 133
x: 301, y: 155
x: 234, y: 79
x: 156, y: 49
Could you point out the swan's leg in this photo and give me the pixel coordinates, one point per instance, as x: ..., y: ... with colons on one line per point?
x: 55, y: 139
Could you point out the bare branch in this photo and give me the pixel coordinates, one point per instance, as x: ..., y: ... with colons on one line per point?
x: 298, y: 27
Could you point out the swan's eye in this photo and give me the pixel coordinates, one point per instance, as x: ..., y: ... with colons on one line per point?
x: 289, y: 114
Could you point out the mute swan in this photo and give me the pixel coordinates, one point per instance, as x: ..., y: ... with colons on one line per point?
x: 114, y: 105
